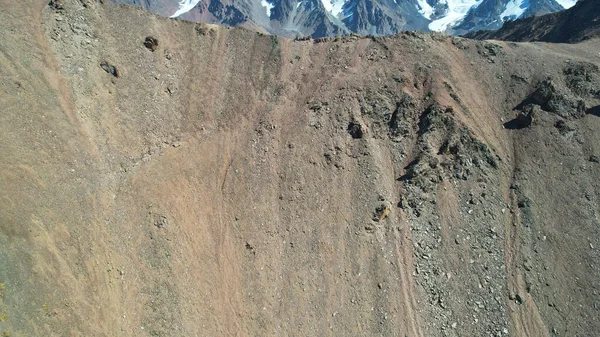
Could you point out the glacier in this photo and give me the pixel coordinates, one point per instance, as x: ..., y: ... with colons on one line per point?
x: 268, y: 6
x: 514, y: 9
x: 335, y: 7
x: 184, y: 7
x: 424, y: 8
x: 457, y: 10
x: 567, y: 3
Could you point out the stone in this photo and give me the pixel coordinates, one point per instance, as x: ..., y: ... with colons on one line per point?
x: 160, y: 221
x: 519, y: 299
x: 151, y: 43
x: 57, y: 4
x: 382, y: 212
x: 111, y: 69
x: 355, y: 130
x: 526, y: 117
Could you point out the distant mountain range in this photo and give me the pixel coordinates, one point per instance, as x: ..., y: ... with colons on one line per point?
x: 319, y: 18
x: 576, y: 24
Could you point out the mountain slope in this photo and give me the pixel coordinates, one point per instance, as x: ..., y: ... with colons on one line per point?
x: 318, y: 18
x: 576, y: 24
x: 166, y: 178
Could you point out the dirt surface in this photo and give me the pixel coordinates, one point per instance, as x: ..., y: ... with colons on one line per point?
x: 166, y: 178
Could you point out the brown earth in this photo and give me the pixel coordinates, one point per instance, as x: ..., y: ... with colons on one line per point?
x: 219, y: 182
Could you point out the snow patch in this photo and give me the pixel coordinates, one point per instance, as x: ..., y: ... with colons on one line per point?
x: 268, y: 7
x: 424, y: 8
x: 348, y: 13
x: 335, y: 7
x: 514, y: 9
x: 567, y: 3
x: 457, y: 10
x: 185, y: 6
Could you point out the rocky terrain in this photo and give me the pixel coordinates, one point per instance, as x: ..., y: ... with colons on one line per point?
x: 581, y: 22
x: 322, y: 18
x: 169, y: 178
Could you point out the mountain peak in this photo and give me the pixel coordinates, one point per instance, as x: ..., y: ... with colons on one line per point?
x: 318, y: 18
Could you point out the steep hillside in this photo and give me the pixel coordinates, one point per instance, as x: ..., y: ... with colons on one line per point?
x: 166, y: 178
x: 576, y: 24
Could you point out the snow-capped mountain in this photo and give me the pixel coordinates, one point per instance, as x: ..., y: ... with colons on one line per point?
x: 319, y: 18
x: 578, y: 23
x: 491, y: 14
